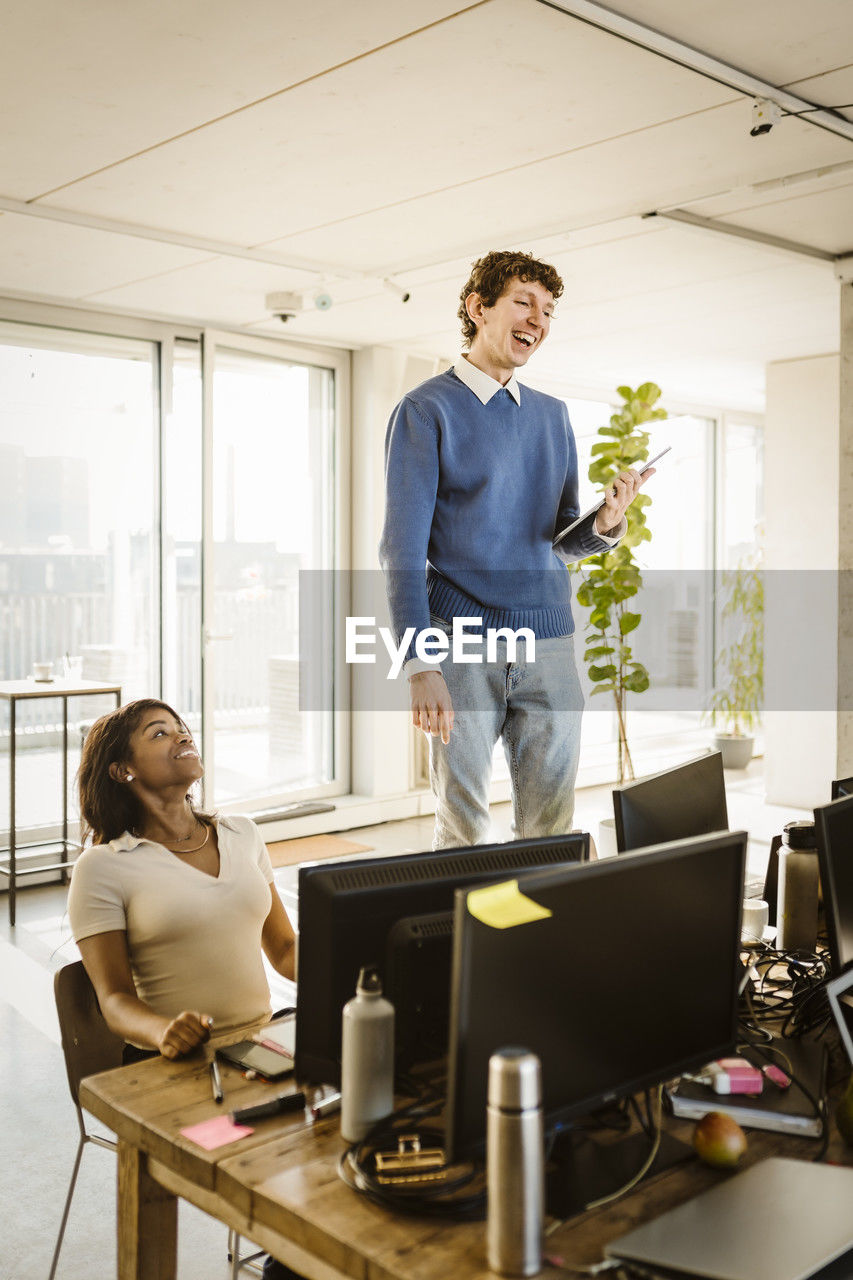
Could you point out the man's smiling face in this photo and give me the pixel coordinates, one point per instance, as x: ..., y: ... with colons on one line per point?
x: 512, y: 329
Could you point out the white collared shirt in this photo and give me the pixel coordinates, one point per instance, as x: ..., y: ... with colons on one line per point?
x: 482, y: 384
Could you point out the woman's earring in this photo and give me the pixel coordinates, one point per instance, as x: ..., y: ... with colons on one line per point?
x: 129, y: 778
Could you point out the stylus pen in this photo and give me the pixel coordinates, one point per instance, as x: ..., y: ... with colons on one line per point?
x: 215, y: 1080
x: 326, y: 1106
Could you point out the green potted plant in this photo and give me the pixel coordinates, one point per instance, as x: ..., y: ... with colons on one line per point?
x: 612, y: 578
x: 735, y: 704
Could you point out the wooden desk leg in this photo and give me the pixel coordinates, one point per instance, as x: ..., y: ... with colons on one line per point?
x: 147, y: 1221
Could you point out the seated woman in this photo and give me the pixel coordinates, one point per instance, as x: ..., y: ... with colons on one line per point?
x: 170, y: 908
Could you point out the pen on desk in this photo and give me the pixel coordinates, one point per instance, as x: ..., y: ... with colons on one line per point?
x: 215, y: 1081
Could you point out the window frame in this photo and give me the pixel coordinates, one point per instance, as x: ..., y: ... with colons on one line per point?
x: 164, y: 334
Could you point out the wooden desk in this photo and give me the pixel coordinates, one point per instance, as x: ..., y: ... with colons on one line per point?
x: 280, y: 1186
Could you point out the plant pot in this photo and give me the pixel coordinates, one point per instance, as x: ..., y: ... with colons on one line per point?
x: 737, y: 750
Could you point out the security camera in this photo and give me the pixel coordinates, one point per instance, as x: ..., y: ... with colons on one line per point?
x: 764, y: 115
x: 402, y: 294
x: 284, y: 305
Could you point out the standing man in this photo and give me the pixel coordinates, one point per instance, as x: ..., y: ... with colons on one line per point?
x: 481, y: 476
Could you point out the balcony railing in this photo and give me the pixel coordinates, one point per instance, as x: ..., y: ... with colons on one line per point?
x: 44, y: 627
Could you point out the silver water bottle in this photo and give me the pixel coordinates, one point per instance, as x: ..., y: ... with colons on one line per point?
x: 515, y: 1163
x: 367, y: 1058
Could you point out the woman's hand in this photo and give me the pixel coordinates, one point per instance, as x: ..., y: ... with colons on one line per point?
x: 107, y: 962
x: 184, y: 1033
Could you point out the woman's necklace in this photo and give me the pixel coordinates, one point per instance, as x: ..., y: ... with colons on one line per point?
x: 195, y: 848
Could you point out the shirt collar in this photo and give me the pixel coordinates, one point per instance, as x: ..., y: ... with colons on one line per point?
x: 484, y: 386
x: 127, y: 841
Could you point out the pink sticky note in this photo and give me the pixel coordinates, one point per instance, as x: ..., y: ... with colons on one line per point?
x: 217, y: 1132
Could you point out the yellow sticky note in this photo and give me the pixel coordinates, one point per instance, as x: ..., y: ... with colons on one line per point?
x: 503, y: 906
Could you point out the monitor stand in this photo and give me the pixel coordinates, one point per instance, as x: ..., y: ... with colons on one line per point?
x: 583, y: 1168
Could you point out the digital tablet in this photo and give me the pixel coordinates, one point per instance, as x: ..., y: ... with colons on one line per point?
x: 600, y: 503
x: 248, y: 1055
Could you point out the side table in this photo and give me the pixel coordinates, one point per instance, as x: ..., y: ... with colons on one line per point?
x: 13, y: 692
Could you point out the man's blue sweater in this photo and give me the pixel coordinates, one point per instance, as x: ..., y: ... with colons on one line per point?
x: 476, y: 494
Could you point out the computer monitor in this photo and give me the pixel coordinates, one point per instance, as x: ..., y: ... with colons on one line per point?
x: 689, y: 800
x: 842, y: 787
x: 630, y: 978
x: 834, y: 831
x: 347, y: 910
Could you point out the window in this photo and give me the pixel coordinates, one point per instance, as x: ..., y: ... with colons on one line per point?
x: 717, y: 461
x: 78, y: 487
x: 106, y: 490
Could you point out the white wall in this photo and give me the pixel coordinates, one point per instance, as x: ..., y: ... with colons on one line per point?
x: 381, y: 740
x: 802, y: 555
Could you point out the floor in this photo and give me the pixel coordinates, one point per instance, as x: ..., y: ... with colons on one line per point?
x: 37, y: 1120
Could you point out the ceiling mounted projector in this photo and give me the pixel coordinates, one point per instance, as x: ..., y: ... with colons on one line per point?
x: 284, y: 305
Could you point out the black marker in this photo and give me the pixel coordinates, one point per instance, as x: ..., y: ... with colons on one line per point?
x: 275, y: 1107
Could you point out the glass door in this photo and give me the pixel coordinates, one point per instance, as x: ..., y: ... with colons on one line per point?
x: 272, y: 505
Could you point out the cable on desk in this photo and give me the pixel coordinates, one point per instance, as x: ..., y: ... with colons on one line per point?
x: 638, y: 1176
x: 818, y: 1104
x: 787, y: 987
x: 442, y: 1198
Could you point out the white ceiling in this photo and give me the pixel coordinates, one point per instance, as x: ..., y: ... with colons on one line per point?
x: 400, y: 138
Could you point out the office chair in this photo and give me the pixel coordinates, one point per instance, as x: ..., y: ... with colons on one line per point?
x: 89, y: 1047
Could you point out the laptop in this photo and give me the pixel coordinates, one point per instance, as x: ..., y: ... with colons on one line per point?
x: 781, y: 1219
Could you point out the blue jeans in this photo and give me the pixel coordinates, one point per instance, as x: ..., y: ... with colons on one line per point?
x: 535, y: 708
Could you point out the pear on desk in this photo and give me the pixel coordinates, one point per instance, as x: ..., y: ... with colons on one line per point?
x: 718, y: 1140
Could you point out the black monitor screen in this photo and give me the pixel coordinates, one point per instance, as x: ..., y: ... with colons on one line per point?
x: 628, y: 979
x: 689, y: 800
x: 834, y: 831
x: 347, y: 910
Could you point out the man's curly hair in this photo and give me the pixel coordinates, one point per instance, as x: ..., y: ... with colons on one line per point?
x: 490, y: 276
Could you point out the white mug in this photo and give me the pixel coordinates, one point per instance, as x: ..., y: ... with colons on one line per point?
x: 756, y: 914
x: 42, y: 670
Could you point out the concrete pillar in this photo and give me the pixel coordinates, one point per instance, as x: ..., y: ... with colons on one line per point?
x: 844, y: 757
x: 801, y: 556
x: 809, y: 480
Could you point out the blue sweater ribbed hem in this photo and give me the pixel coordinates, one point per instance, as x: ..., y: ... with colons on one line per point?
x: 448, y: 602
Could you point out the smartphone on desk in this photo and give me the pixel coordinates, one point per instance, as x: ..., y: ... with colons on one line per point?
x: 248, y: 1055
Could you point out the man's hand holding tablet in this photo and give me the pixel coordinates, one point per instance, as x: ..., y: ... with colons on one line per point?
x: 610, y: 509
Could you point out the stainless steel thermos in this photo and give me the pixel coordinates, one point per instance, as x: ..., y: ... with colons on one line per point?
x: 367, y: 1058
x: 515, y: 1163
